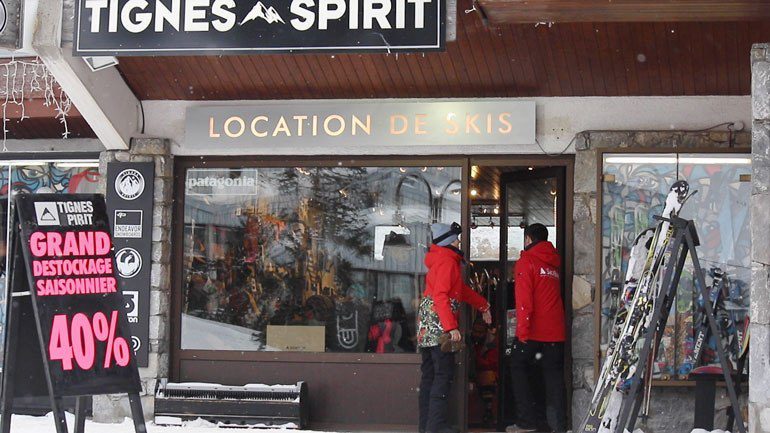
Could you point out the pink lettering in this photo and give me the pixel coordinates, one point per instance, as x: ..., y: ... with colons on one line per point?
x: 102, y: 243
x: 54, y: 244
x: 37, y: 244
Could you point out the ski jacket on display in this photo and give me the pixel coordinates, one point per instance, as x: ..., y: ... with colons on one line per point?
x: 444, y: 290
x: 539, y: 307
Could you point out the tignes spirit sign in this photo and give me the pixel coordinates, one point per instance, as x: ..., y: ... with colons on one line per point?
x: 192, y: 27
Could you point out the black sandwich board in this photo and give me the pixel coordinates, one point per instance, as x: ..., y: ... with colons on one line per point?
x: 67, y: 332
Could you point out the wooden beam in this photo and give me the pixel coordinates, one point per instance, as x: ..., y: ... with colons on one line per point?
x: 102, y: 97
x: 564, y: 11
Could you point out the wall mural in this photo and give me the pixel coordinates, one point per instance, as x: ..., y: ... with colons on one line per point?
x: 634, y: 191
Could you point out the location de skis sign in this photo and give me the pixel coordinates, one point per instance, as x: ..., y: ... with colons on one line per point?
x: 78, y: 304
x: 205, y: 27
x: 130, y: 191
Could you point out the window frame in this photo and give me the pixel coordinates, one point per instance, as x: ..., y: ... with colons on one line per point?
x: 597, y: 289
x: 182, y: 164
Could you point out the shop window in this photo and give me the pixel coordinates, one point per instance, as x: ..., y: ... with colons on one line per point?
x: 309, y: 258
x: 30, y: 177
x: 634, y: 189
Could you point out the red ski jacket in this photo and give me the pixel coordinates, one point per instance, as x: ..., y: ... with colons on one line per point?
x: 444, y: 283
x: 539, y: 308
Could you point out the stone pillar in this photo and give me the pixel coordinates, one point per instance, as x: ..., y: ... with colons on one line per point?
x: 114, y: 408
x: 759, y: 363
x: 583, y: 282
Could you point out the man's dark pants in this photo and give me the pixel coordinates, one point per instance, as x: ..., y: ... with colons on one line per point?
x: 522, y: 357
x: 437, y: 374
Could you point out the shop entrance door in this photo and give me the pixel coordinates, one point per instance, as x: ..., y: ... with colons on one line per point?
x: 527, y: 196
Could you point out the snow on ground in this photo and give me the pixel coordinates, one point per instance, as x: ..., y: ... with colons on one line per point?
x: 45, y: 424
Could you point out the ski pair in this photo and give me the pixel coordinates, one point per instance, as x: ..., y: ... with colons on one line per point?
x: 641, y: 288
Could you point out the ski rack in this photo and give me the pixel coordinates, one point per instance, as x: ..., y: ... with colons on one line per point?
x: 685, y: 239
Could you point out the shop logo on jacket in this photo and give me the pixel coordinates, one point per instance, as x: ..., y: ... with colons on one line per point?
x: 548, y: 272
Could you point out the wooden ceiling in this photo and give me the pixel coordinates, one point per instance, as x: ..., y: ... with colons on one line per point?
x: 38, y: 120
x: 530, y: 198
x: 29, y: 115
x: 39, y: 127
x: 518, y: 60
x: 527, y: 11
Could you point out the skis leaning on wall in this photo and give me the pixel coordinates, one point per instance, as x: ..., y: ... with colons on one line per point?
x: 639, y: 293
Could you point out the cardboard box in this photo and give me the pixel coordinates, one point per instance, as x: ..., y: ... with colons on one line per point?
x: 297, y: 338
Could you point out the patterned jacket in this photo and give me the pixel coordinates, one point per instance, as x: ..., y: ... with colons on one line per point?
x: 444, y: 290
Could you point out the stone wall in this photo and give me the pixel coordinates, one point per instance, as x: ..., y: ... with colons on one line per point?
x: 759, y: 379
x: 671, y: 408
x: 113, y: 408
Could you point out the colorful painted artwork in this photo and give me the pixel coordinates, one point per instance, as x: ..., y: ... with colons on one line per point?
x: 634, y: 190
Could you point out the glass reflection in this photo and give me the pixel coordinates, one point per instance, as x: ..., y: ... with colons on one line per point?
x: 309, y: 258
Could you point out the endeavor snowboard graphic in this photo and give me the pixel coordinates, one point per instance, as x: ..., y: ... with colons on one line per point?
x: 639, y: 295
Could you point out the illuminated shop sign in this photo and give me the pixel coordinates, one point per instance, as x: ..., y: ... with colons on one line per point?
x: 359, y: 123
x: 192, y: 27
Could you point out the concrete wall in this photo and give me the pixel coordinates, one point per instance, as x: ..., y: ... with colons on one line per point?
x: 759, y: 379
x: 671, y: 408
x: 113, y: 408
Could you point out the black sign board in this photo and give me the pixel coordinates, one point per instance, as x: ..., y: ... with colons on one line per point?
x: 130, y: 189
x: 68, y: 333
x: 205, y: 27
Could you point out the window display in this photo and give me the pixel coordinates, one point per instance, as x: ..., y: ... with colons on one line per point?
x: 309, y: 258
x: 634, y: 190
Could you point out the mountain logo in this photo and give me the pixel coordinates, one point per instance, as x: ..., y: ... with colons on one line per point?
x: 129, y: 184
x: 270, y: 15
x: 46, y: 213
x: 552, y: 273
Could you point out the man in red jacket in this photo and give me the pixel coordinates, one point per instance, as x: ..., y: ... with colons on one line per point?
x: 540, y: 332
x: 438, y: 314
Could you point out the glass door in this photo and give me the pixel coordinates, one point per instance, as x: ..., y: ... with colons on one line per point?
x: 528, y: 196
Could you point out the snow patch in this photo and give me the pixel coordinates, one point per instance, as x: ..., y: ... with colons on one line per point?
x: 45, y: 424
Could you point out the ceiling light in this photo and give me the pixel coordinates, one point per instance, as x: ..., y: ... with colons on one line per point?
x: 673, y: 160
x: 77, y: 164
x: 474, y: 192
x: 474, y: 172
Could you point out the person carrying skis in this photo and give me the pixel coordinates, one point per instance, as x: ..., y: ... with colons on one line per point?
x: 540, y: 331
x: 438, y: 314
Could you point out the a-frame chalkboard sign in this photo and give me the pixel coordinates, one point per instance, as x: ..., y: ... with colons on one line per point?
x: 67, y: 331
